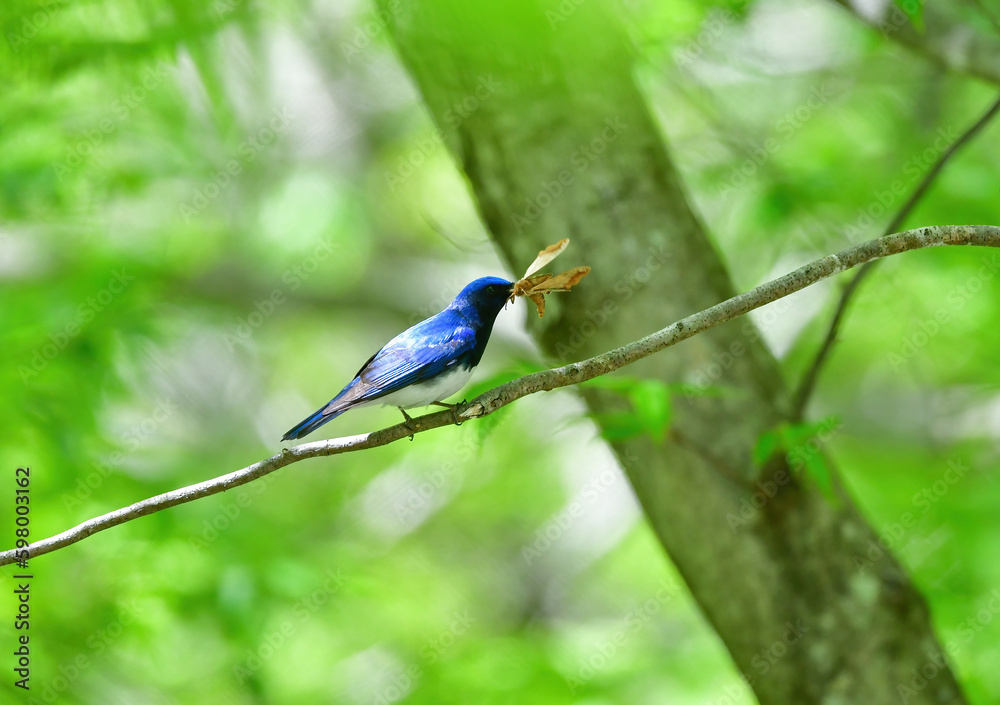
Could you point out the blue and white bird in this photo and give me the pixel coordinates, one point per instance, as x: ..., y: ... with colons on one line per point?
x: 424, y: 364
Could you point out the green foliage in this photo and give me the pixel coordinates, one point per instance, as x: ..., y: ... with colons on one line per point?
x: 914, y: 10
x: 212, y: 213
x: 651, y: 410
x: 802, y: 446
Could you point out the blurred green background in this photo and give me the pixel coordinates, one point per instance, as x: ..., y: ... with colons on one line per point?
x: 212, y: 213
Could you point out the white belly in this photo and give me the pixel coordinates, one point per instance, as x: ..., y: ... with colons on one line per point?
x: 424, y: 393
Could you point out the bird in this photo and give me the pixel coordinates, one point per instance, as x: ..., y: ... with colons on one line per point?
x: 426, y: 363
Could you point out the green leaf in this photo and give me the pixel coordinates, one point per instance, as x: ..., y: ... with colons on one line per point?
x: 817, y: 469
x: 651, y: 402
x: 620, y: 384
x: 914, y: 11
x: 619, y: 426
x: 804, y: 451
x: 801, y: 445
x: 767, y: 443
x: 652, y: 410
x: 623, y: 384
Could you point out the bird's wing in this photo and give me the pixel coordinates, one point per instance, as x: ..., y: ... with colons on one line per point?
x: 415, y: 355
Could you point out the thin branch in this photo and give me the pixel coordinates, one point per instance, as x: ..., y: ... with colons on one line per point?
x: 951, y: 44
x: 574, y: 373
x: 808, y: 384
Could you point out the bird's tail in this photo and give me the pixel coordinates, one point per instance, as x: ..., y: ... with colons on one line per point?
x: 312, y: 423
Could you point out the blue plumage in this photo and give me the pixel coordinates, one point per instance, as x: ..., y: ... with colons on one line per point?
x: 424, y: 364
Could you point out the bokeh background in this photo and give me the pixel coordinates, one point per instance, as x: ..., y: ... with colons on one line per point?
x: 212, y: 213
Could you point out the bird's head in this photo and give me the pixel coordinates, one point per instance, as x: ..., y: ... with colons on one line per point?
x: 486, y: 295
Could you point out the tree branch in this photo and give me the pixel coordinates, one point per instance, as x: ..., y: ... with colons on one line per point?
x: 574, y: 373
x: 808, y: 384
x: 951, y: 44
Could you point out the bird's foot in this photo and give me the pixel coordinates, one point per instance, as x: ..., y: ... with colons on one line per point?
x: 454, y: 410
x: 406, y: 422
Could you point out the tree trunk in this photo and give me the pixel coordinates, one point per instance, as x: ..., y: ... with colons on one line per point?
x: 538, y: 104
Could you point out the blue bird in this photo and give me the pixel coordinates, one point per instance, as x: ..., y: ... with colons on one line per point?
x: 426, y: 363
